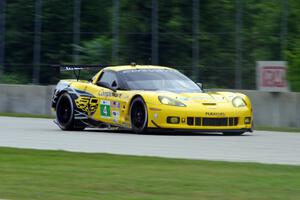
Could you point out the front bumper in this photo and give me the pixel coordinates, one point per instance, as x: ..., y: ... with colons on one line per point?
x: 227, y: 119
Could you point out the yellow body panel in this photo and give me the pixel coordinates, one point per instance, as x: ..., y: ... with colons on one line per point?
x: 113, y: 107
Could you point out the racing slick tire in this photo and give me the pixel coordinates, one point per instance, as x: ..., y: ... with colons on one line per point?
x: 65, y: 113
x: 233, y: 133
x: 138, y: 115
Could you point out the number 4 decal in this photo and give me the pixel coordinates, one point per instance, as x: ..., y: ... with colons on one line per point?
x: 105, y: 109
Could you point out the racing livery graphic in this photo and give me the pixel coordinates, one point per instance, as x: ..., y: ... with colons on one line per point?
x: 143, y: 98
x: 88, y: 105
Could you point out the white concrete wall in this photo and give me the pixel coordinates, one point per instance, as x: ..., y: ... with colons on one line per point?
x: 29, y: 99
x: 275, y: 109
x: 270, y: 109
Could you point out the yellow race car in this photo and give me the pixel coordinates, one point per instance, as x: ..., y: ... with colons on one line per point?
x: 143, y: 98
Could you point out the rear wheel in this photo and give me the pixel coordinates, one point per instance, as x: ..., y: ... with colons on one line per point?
x: 65, y: 113
x: 138, y: 115
x: 233, y: 133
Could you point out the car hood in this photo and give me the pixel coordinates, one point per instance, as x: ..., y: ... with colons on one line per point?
x: 203, y: 97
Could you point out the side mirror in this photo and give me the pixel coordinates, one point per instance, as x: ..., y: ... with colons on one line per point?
x: 106, y: 85
x: 200, y: 85
x: 114, y: 84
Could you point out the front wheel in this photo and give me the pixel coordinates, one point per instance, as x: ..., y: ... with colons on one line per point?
x: 138, y: 115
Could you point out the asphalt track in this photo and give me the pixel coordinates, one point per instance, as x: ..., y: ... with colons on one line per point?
x: 260, y: 146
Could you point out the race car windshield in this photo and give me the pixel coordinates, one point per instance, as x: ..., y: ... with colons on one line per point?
x: 158, y: 79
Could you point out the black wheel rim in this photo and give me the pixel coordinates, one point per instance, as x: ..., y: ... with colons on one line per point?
x: 64, y: 111
x: 138, y: 115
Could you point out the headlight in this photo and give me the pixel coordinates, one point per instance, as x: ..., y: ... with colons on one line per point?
x: 238, y: 102
x: 169, y: 101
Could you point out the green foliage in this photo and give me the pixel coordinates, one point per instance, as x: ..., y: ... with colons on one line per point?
x: 261, y: 40
x: 294, y: 67
x: 293, y: 51
x: 96, y: 51
x: 13, y: 79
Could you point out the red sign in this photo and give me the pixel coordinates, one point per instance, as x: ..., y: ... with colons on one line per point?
x: 271, y: 76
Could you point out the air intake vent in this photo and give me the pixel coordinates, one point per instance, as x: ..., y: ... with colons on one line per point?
x: 190, y: 121
x: 214, y: 121
x: 209, y: 104
x: 225, y: 121
x: 197, y: 121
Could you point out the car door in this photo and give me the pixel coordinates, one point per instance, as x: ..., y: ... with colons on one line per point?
x: 110, y: 98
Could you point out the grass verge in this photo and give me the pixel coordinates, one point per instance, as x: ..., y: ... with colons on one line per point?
x: 56, y: 175
x: 280, y: 129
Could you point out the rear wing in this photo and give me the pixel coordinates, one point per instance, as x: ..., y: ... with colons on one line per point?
x: 77, y: 68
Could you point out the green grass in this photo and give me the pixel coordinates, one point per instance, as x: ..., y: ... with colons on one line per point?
x: 280, y: 129
x: 57, y: 175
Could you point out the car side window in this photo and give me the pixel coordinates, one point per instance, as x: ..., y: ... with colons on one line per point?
x: 110, y: 78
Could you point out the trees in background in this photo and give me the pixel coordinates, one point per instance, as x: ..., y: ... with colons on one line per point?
x: 261, y: 39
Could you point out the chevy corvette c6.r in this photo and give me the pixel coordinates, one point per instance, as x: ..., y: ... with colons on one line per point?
x: 140, y: 98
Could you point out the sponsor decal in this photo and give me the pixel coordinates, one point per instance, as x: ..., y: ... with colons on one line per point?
x: 215, y: 114
x: 110, y: 94
x: 201, y: 98
x: 72, y: 68
x: 116, y: 114
x: 105, y: 109
x: 115, y: 104
x: 182, y: 98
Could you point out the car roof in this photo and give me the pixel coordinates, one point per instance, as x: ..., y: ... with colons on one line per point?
x: 130, y: 67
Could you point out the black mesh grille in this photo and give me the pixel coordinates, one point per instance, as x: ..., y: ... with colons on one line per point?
x: 190, y: 121
x: 233, y: 121
x: 206, y: 121
x: 214, y: 121
x: 197, y: 121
